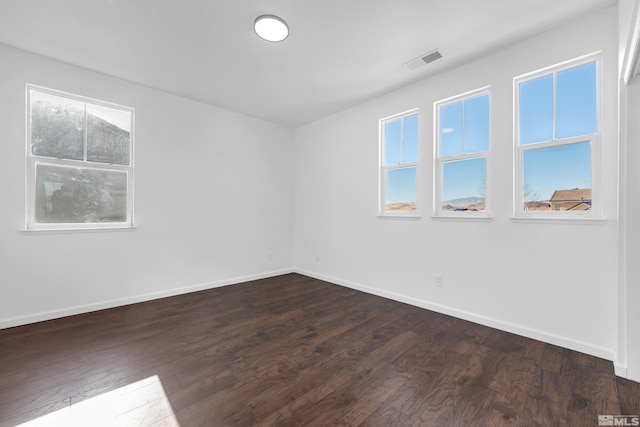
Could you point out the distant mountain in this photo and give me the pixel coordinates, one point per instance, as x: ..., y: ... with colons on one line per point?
x: 401, y: 207
x: 463, y: 202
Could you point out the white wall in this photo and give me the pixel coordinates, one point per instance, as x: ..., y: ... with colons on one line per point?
x: 629, y: 317
x: 632, y: 231
x: 213, y: 198
x: 217, y: 192
x: 552, y: 281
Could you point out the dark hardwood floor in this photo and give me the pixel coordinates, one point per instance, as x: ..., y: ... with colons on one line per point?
x: 291, y: 351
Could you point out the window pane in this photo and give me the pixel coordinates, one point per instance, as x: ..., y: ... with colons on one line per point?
x: 576, y: 101
x: 80, y: 195
x: 410, y: 139
x: 476, y: 124
x: 392, y: 141
x: 401, y: 190
x: 536, y: 110
x: 464, y: 185
x: 108, y: 135
x: 557, y: 176
x: 451, y: 129
x: 57, y: 126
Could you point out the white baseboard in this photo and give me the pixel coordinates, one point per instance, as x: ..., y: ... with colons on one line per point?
x: 524, y: 331
x: 536, y: 334
x: 620, y: 370
x: 80, y: 309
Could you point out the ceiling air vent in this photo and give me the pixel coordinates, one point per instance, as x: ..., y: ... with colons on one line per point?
x: 422, y: 60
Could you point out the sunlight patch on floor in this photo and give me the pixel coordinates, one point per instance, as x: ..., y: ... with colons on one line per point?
x: 143, y: 403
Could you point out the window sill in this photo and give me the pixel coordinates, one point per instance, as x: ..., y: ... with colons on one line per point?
x: 399, y: 217
x: 480, y: 218
x: 559, y: 220
x: 78, y: 230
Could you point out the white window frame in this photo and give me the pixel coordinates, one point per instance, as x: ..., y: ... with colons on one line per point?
x: 33, y: 160
x: 439, y: 160
x: 594, y: 139
x: 382, y: 211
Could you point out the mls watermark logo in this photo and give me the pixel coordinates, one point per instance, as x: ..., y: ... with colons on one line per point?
x: 618, y: 420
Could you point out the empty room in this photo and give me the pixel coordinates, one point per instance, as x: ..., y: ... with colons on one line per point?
x: 283, y: 213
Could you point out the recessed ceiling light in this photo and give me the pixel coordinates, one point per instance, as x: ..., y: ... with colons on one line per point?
x: 271, y: 28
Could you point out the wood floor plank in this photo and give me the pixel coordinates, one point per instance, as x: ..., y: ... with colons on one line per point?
x: 292, y: 350
x: 355, y: 396
x: 629, y: 396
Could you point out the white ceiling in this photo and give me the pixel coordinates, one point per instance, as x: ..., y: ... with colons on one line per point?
x: 339, y: 52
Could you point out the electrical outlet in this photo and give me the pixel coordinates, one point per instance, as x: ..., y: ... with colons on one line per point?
x: 270, y: 257
x: 438, y: 281
x: 317, y: 258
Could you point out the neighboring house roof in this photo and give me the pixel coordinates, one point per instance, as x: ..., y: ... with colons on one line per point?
x: 573, y: 195
x: 580, y: 207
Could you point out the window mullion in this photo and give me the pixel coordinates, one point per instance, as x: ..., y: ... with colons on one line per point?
x: 555, y: 105
x: 402, y: 140
x: 558, y: 142
x: 439, y: 179
x: 86, y: 130
x: 383, y: 189
x: 465, y: 156
x: 463, y: 128
x: 401, y: 166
